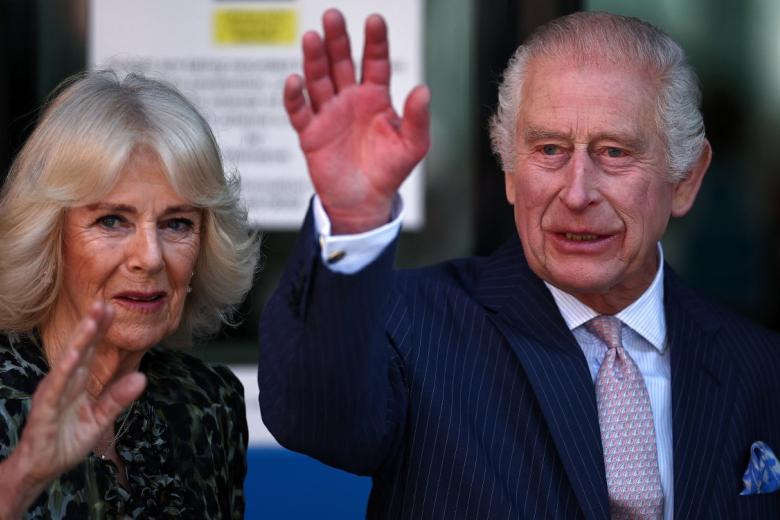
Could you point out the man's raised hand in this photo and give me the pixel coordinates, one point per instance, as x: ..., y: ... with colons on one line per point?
x: 357, y: 148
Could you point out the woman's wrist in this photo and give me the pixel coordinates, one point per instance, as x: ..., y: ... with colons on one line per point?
x: 18, y: 487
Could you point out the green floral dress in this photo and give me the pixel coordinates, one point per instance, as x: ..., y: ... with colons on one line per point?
x: 184, y: 445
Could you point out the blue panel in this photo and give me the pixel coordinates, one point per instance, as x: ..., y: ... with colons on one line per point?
x: 287, y: 485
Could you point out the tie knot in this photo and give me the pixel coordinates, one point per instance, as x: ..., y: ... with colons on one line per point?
x: 607, y: 329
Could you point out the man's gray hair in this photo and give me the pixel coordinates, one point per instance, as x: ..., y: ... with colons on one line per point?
x: 590, y: 37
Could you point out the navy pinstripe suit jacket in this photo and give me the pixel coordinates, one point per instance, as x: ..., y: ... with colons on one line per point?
x: 460, y: 390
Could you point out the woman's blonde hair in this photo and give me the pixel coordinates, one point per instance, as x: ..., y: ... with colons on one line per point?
x: 74, y: 156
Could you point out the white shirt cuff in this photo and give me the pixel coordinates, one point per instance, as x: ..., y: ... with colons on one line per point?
x: 348, y: 254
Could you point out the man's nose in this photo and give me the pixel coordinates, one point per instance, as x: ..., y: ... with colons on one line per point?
x: 579, y: 189
x: 146, y: 250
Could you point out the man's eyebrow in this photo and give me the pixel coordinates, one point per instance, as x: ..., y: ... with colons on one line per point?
x: 535, y: 133
x: 631, y: 140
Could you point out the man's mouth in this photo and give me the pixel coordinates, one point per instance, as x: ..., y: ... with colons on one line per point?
x: 581, y: 237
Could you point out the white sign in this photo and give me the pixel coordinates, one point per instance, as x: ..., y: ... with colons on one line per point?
x: 231, y: 59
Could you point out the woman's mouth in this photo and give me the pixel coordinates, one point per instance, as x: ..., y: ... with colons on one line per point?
x: 141, y: 301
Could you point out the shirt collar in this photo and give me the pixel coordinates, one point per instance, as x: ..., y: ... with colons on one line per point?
x: 645, y: 315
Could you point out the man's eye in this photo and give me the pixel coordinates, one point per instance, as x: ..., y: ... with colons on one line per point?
x: 550, y: 149
x: 615, y: 153
x: 110, y: 221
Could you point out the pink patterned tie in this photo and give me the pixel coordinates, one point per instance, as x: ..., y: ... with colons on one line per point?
x: 627, y: 431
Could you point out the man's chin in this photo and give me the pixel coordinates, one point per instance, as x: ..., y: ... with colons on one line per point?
x: 580, y: 283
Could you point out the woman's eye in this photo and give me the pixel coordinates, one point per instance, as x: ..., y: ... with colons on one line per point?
x: 179, y: 224
x: 110, y: 221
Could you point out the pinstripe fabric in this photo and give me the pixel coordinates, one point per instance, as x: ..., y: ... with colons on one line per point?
x: 460, y: 390
x: 725, y: 395
x: 645, y: 340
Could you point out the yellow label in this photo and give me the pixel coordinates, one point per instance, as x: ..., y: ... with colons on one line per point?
x: 255, y: 27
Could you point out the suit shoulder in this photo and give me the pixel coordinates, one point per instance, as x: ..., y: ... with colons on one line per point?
x: 751, y: 343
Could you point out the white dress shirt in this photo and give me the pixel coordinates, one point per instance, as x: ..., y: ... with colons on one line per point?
x: 644, y: 338
x: 348, y: 254
x: 644, y: 334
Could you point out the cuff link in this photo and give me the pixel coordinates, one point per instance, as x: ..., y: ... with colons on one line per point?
x: 336, y: 256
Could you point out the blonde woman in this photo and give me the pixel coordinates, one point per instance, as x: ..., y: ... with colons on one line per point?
x: 121, y: 237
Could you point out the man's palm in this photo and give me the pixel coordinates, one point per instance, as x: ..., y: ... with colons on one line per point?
x: 357, y: 148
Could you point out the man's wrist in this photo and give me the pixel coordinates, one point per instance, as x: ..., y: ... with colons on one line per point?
x: 348, y: 254
x: 349, y: 223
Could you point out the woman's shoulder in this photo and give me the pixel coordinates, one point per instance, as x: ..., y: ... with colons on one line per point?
x: 179, y: 376
x: 22, y: 366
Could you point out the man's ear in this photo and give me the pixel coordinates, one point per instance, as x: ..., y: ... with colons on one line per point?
x: 686, y: 190
x: 509, y: 186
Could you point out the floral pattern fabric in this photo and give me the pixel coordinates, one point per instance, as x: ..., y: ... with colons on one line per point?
x: 763, y: 472
x: 184, y: 446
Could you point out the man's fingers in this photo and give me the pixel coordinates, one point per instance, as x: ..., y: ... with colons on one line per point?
x: 298, y: 110
x: 316, y: 70
x: 376, y: 52
x: 415, y: 125
x: 117, y: 397
x: 338, y: 49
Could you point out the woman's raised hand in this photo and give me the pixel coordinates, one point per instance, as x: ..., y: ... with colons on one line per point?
x: 65, y: 422
x: 358, y: 149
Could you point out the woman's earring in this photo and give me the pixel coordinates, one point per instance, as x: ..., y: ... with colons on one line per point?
x: 189, y: 287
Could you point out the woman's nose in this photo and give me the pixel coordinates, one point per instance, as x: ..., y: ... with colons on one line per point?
x: 146, y: 250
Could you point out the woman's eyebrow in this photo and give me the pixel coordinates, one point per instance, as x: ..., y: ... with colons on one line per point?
x: 126, y: 208
x: 184, y: 208
x: 106, y: 206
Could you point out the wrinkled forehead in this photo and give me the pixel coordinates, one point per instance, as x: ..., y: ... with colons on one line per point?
x: 554, y: 66
x: 560, y: 93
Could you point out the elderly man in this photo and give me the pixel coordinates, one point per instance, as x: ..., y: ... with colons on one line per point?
x: 569, y: 375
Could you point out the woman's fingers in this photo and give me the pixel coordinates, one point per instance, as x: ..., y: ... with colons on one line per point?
x: 76, y: 356
x: 117, y: 397
x: 85, y: 341
x: 104, y: 317
x: 70, y: 372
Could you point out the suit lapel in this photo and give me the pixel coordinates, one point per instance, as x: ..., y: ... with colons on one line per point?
x: 702, y: 396
x: 526, y: 314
